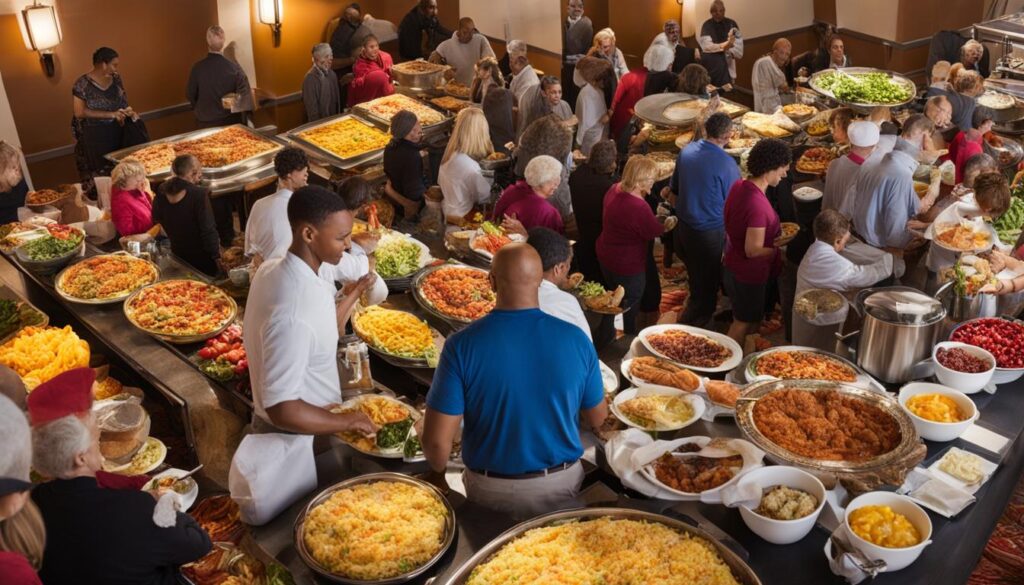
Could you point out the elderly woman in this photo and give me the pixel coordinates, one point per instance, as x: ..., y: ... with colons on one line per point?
x: 487, y: 76
x: 101, y: 110
x: 658, y: 60
x: 588, y: 185
x: 543, y: 100
x: 628, y: 227
x: 371, y: 74
x: 967, y: 86
x: 13, y: 186
x: 96, y: 535
x: 593, y: 106
x: 549, y: 136
x: 527, y: 200
x: 971, y: 57
x: 131, y: 204
x: 752, y: 260
x: 460, y: 177
x: 22, y: 533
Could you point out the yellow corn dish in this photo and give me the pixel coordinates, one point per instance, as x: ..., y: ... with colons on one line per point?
x: 376, y: 531
x: 936, y: 408
x: 38, y: 354
x: 882, y: 526
x: 347, y: 138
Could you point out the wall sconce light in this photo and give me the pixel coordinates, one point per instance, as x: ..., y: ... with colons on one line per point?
x: 271, y: 13
x: 41, y: 32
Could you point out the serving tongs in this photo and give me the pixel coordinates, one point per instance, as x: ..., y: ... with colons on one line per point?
x: 830, y: 522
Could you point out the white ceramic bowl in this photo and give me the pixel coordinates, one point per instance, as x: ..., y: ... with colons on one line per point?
x: 188, y: 498
x: 782, y: 531
x: 939, y: 431
x: 962, y: 381
x: 895, y: 558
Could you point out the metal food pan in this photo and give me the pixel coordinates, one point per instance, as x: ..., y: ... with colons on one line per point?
x: 295, y: 136
x: 813, y: 82
x: 427, y: 130
x: 209, y: 173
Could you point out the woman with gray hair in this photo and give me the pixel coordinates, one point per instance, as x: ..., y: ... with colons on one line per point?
x: 22, y: 534
x: 320, y: 93
x: 549, y: 136
x: 96, y: 535
x: 526, y: 201
x: 658, y: 61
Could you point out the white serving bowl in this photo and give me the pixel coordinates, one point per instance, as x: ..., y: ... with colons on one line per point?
x: 962, y: 381
x: 782, y: 531
x: 895, y: 558
x: 939, y: 431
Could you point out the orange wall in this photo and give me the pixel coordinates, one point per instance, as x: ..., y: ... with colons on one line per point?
x: 637, y: 22
x: 157, y: 47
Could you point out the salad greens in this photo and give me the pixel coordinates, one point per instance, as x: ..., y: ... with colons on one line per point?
x: 864, y: 88
x: 10, y: 317
x: 1009, y: 224
x: 492, y: 229
x: 590, y: 289
x: 393, y: 434
x: 49, y: 247
x: 397, y: 257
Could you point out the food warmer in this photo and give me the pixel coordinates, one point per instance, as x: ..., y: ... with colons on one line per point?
x: 295, y: 137
x: 1006, y: 33
x: 815, y: 83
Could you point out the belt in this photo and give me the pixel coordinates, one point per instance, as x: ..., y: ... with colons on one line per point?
x: 528, y: 474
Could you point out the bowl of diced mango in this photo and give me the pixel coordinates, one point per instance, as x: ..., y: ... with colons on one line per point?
x: 889, y: 527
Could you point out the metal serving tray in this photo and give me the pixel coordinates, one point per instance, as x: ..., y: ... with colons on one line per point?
x: 449, y: 528
x: 747, y: 370
x: 740, y: 569
x: 209, y: 173
x: 815, y: 79
x: 417, y: 283
x: 295, y: 136
x: 430, y: 130
x: 651, y: 109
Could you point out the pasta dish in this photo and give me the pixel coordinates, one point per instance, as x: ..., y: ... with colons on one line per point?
x: 180, y: 308
x: 395, y: 332
x: 220, y: 149
x: 385, y: 108
x: 461, y: 293
x: 106, y: 277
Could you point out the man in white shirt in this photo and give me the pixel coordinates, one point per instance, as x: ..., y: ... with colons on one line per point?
x: 721, y: 46
x: 463, y: 50
x: 768, y: 79
x: 556, y: 257
x: 523, y: 75
x: 824, y: 265
x: 268, y: 233
x: 292, y: 322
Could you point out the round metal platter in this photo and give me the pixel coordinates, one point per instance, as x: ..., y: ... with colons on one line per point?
x: 300, y: 522
x: 748, y: 367
x: 652, y: 109
x: 181, y: 339
x: 58, y: 281
x: 903, y: 80
x: 745, y: 420
x: 740, y: 569
x: 417, y: 284
x: 397, y: 360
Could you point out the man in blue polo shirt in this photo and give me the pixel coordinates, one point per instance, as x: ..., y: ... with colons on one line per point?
x: 518, y: 380
x: 704, y: 173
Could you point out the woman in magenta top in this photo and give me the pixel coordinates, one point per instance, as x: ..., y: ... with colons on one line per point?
x: 751, y: 259
x: 371, y: 74
x: 527, y: 200
x: 969, y: 143
x: 628, y: 226
x: 131, y: 206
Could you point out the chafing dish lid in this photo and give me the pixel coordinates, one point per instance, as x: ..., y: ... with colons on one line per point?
x: 904, y: 307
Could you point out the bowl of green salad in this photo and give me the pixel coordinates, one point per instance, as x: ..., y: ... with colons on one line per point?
x: 53, y: 251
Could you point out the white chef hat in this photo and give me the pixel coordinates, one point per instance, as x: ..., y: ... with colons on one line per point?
x: 863, y: 133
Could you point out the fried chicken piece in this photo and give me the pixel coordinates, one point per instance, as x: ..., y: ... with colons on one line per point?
x: 663, y: 373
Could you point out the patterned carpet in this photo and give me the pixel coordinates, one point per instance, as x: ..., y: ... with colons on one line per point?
x: 1002, y: 562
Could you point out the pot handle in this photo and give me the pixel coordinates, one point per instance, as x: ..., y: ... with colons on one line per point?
x: 842, y: 337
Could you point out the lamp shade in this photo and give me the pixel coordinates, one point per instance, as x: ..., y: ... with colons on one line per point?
x: 270, y: 11
x: 41, y: 27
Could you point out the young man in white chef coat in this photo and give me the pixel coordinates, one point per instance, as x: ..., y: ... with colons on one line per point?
x: 293, y: 319
x: 824, y: 265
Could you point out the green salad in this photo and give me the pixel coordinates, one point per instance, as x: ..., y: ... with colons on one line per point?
x: 394, y: 434
x: 49, y: 247
x: 397, y: 257
x: 15, y: 314
x: 590, y: 289
x: 864, y: 88
x: 1009, y: 224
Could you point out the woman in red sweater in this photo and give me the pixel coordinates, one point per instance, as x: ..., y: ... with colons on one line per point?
x: 628, y: 226
x: 131, y: 204
x: 371, y: 74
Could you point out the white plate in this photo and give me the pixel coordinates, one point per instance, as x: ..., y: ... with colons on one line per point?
x: 485, y: 253
x: 728, y: 342
x: 987, y: 467
x: 649, y: 473
x: 627, y: 364
x: 159, y: 460
x: 188, y: 498
x: 611, y: 381
x: 696, y: 403
x: 807, y: 194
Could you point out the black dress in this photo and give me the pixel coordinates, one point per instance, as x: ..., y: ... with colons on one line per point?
x: 716, y: 63
x: 95, y: 137
x: 189, y: 225
x: 11, y: 200
x: 97, y: 535
x: 587, y: 189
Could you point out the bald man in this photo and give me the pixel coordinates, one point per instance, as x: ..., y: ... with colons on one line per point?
x: 463, y: 50
x: 768, y: 78
x: 519, y: 381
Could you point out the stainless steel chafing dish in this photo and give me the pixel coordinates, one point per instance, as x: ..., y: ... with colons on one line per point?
x: 304, y: 554
x: 405, y: 76
x: 417, y: 284
x: 295, y: 136
x: 740, y: 569
x: 815, y: 83
x: 385, y: 123
x: 909, y: 440
x: 212, y: 174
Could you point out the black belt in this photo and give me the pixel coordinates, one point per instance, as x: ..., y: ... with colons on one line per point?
x: 528, y: 474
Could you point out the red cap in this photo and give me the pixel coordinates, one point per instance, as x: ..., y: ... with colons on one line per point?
x: 68, y: 393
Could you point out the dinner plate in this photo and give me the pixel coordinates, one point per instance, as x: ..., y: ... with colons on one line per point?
x: 393, y: 453
x: 162, y: 450
x: 696, y: 403
x: 728, y: 342
x: 188, y: 498
x: 992, y: 238
x: 625, y: 369
x: 807, y: 194
x: 648, y: 472
x: 484, y: 253
x: 750, y: 372
x: 609, y: 378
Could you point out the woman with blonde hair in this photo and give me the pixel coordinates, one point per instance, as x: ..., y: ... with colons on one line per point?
x: 628, y: 227
x: 604, y: 47
x: 22, y: 532
x: 131, y: 204
x: 488, y: 76
x: 461, y: 179
x: 13, y: 186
